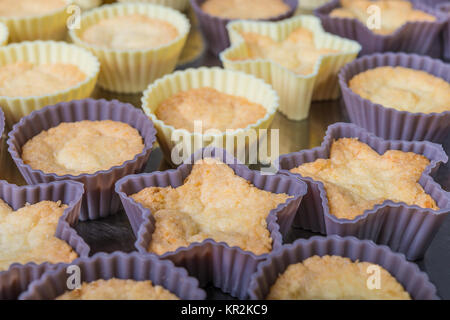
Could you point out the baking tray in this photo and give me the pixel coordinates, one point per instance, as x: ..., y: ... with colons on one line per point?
x: 114, y: 233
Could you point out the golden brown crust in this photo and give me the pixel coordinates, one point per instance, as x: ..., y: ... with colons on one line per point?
x: 23, y: 79
x: 215, y: 110
x: 403, y: 89
x: 297, y: 52
x: 130, y: 32
x: 394, y: 13
x: 26, y: 8
x: 212, y: 203
x: 335, y: 278
x: 82, y: 147
x: 27, y: 235
x: 356, y: 178
x: 245, y: 9
x: 118, y: 289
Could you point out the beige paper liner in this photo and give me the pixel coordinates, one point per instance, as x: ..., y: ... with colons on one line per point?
x: 296, y: 91
x: 180, y: 5
x: 226, y: 81
x: 131, y: 71
x: 48, y: 26
x: 4, y: 34
x: 308, y: 6
x: 47, y: 52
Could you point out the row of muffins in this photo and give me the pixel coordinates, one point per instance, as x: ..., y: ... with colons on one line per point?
x: 142, y: 192
x: 410, y: 16
x: 266, y: 50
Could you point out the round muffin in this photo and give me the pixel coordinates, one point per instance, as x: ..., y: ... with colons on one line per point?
x: 136, y: 43
x: 403, y: 89
x: 245, y: 9
x: 130, y: 32
x: 336, y: 278
x: 25, y: 79
x: 118, y: 289
x: 214, y: 109
x: 26, y: 8
x: 82, y: 147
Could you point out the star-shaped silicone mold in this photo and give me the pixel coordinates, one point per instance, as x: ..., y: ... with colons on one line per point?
x: 296, y: 90
x: 69, y: 193
x: 229, y: 268
x: 405, y: 228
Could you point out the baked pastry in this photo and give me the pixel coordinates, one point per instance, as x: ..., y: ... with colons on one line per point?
x: 212, y: 203
x: 356, y: 178
x: 118, y: 289
x: 215, y: 110
x: 26, y: 8
x: 298, y: 52
x: 245, y: 9
x: 82, y: 147
x: 24, y: 79
x: 27, y: 235
x: 335, y: 278
x: 403, y: 89
x: 130, y: 32
x: 394, y: 13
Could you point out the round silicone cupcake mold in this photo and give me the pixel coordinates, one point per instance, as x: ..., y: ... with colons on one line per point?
x: 228, y: 268
x: 225, y: 81
x: 413, y: 37
x: 47, y: 52
x: 414, y: 281
x: 131, y: 71
x: 99, y: 199
x: 390, y: 123
x: 118, y: 265
x: 406, y: 229
x: 51, y: 25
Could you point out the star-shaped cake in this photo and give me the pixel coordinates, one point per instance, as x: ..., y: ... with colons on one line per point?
x: 356, y: 178
x: 212, y: 203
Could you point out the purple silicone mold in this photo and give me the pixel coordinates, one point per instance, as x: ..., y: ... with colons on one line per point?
x: 214, y: 28
x: 445, y: 8
x: 406, y: 229
x: 100, y: 199
x: 414, y: 281
x: 390, y: 123
x: 414, y: 37
x: 117, y: 265
x: 228, y: 268
x: 15, y: 280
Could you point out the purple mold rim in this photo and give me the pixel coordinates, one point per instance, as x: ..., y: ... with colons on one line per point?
x: 390, y: 59
x: 66, y: 222
x: 2, y: 122
x: 147, y: 222
x: 324, y: 11
x: 293, y: 4
x: 440, y: 157
x: 107, y: 266
x: 444, y: 7
x: 149, y: 139
x: 352, y: 248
